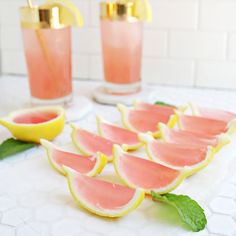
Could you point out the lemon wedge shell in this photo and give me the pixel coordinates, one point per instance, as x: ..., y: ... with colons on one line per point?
x: 133, y: 203
x: 34, y: 132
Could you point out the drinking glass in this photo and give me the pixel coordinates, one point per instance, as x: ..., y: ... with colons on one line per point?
x: 121, y: 35
x: 47, y: 46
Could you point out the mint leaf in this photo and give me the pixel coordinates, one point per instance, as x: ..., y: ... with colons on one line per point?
x: 12, y: 146
x: 163, y: 104
x: 189, y: 210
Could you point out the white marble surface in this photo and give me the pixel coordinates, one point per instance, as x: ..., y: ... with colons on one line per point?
x: 34, y: 199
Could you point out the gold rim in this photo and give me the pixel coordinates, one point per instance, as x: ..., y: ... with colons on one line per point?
x: 47, y: 17
x: 118, y: 11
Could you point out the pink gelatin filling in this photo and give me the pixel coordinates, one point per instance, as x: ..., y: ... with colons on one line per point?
x: 168, y: 110
x: 216, y: 114
x: 178, y: 155
x: 190, y: 138
x: 146, y: 174
x: 102, y: 194
x: 35, y: 117
x: 93, y: 142
x: 203, y: 125
x: 77, y: 162
x: 144, y: 121
x: 119, y: 135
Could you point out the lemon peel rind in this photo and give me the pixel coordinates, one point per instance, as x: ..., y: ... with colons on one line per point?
x: 231, y: 126
x: 76, y: 143
x: 34, y: 132
x: 126, y: 124
x: 125, y: 147
x: 194, y: 109
x: 80, y: 147
x: 189, y: 170
x: 230, y: 130
x: 101, y: 161
x: 98, y: 167
x: 48, y: 148
x: 124, y: 114
x: 131, y: 205
x: 9, y: 118
x: 223, y: 139
x: 173, y: 185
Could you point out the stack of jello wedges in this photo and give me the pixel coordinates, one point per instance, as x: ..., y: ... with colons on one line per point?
x: 178, y: 142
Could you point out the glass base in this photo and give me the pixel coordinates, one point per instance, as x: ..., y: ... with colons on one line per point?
x: 122, y: 89
x: 64, y: 101
x: 101, y: 96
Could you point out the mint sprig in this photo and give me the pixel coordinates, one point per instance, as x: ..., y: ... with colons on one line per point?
x: 12, y: 146
x: 163, y: 104
x: 189, y: 210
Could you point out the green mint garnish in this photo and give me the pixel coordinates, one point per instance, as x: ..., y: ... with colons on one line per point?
x: 189, y: 210
x: 12, y: 146
x: 163, y: 104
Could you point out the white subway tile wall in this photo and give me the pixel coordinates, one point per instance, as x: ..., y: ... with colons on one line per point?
x: 189, y: 42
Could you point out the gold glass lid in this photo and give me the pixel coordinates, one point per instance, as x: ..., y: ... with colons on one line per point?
x: 41, y: 17
x: 120, y: 10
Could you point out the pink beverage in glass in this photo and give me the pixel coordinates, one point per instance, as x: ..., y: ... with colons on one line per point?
x: 122, y: 52
x: 48, y: 57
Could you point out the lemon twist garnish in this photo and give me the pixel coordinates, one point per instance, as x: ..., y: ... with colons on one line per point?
x: 143, y: 10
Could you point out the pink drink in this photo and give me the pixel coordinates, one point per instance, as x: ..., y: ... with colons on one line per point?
x: 122, y: 51
x: 48, y: 56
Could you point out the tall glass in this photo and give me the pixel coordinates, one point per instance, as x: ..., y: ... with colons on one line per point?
x: 48, y: 59
x: 122, y: 51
